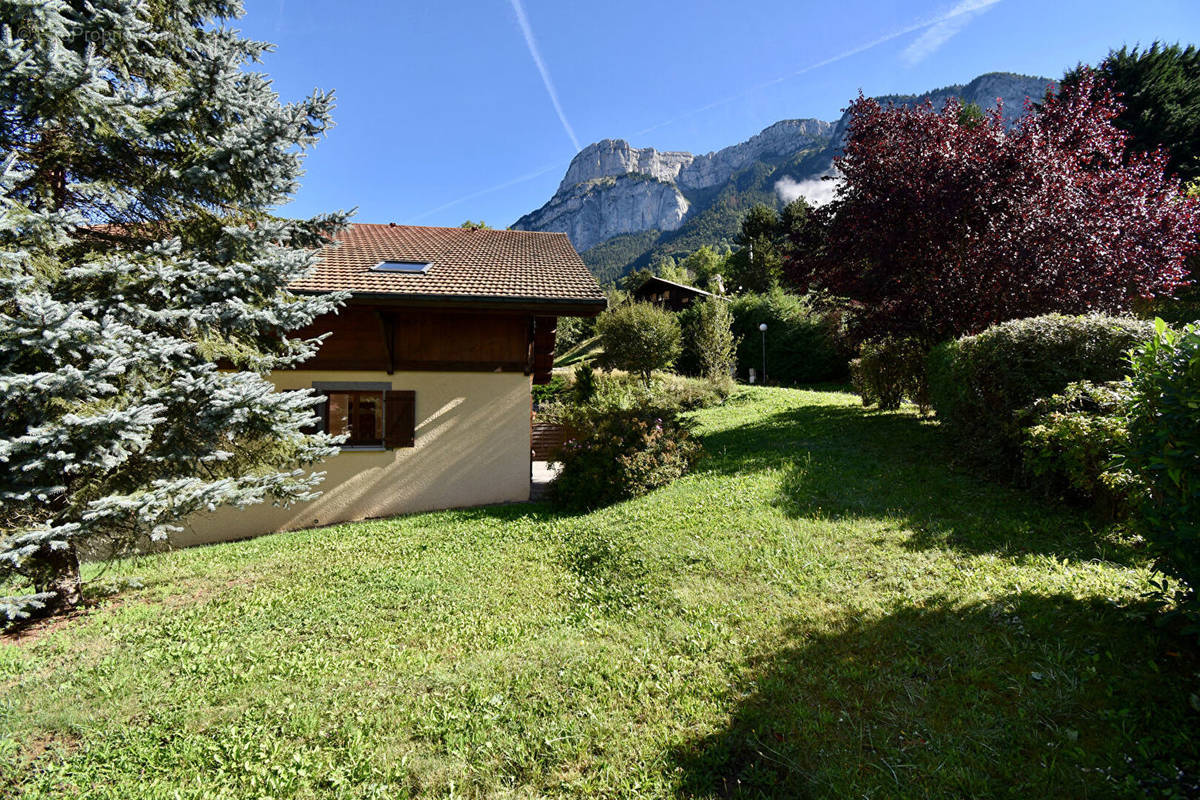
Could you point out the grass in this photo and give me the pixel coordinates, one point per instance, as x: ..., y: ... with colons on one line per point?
x: 587, y: 350
x: 824, y: 609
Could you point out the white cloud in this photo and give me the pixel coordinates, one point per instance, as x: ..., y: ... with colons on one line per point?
x: 947, y: 27
x: 817, y: 191
x: 531, y: 43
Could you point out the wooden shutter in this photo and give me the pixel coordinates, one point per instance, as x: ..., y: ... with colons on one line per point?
x: 543, y: 348
x: 399, y: 418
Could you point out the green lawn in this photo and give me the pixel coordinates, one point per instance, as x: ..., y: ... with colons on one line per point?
x: 824, y: 609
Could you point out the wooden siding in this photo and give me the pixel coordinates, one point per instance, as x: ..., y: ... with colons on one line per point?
x: 390, y: 339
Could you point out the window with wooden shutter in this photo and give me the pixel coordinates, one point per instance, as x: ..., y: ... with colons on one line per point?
x: 400, y: 418
x: 356, y: 415
x: 369, y: 414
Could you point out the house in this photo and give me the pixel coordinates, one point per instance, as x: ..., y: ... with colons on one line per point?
x: 427, y: 369
x: 668, y: 294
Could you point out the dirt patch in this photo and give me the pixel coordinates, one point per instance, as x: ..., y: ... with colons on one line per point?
x: 41, y: 628
x: 193, y: 591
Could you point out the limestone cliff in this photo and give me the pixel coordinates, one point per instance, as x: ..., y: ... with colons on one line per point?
x: 613, y: 188
x: 597, y: 209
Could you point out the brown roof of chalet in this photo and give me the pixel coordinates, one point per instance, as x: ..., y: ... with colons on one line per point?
x: 482, y: 267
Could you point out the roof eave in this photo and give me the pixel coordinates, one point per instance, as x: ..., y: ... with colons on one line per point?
x: 548, y: 306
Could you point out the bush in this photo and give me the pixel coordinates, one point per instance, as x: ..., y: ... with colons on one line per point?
x: 583, y: 383
x: 709, y: 343
x: 1073, y: 441
x: 890, y: 370
x: 639, y: 337
x: 977, y: 384
x: 1164, y: 450
x: 620, y: 451
x: 803, y: 346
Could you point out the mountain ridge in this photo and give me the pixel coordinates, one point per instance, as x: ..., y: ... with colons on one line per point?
x: 624, y: 206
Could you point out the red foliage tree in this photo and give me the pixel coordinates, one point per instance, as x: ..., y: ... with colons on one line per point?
x: 947, y: 223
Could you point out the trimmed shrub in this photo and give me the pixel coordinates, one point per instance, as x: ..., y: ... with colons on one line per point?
x: 889, y: 371
x: 1164, y: 450
x: 803, y: 346
x: 639, y: 337
x: 619, y: 452
x: 1073, y: 442
x: 977, y: 384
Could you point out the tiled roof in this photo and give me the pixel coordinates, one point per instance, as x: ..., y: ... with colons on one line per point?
x: 466, y: 264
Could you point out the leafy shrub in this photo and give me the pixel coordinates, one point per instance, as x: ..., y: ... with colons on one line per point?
x: 1072, y: 441
x: 890, y: 370
x: 639, y: 337
x: 803, y: 346
x: 977, y: 384
x: 1164, y: 450
x: 620, y: 451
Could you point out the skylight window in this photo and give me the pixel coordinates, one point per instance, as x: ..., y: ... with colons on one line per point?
x: 404, y: 267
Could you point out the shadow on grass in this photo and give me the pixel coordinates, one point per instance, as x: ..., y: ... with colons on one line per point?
x: 849, y: 462
x: 1028, y: 696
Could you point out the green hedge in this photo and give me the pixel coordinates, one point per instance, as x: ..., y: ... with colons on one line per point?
x: 978, y: 384
x: 803, y: 346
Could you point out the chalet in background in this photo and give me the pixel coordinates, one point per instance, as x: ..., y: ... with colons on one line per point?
x: 428, y: 370
x: 668, y: 294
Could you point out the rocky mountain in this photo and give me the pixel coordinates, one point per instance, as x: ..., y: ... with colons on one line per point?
x: 612, y: 188
x: 624, y: 207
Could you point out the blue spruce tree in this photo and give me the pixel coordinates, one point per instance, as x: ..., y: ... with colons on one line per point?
x: 143, y: 283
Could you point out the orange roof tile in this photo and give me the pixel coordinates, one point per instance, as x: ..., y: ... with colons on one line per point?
x: 466, y: 265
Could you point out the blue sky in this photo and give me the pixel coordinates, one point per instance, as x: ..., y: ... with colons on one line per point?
x: 456, y: 110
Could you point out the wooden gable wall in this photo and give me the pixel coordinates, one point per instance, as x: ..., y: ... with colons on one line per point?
x: 363, y: 337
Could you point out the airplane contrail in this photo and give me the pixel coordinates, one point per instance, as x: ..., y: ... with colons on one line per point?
x: 937, y: 35
x: 969, y: 8
x: 531, y: 43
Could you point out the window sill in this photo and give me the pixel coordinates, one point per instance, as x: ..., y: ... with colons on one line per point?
x: 363, y: 448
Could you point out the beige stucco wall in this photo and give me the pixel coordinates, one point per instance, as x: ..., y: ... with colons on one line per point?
x: 472, y: 448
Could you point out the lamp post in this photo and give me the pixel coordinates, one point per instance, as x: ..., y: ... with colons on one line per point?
x: 763, y: 329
